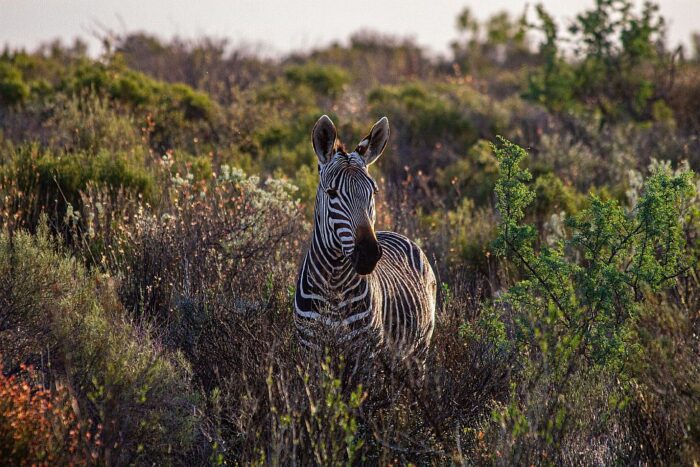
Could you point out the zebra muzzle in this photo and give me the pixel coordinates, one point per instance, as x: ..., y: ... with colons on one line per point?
x: 367, y: 251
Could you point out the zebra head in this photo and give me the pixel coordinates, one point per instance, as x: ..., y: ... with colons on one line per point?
x: 345, y: 198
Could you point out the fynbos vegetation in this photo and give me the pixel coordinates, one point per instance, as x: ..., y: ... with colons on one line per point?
x: 155, y: 205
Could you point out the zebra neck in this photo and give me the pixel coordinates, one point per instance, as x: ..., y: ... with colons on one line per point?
x: 332, y: 271
x: 325, y: 244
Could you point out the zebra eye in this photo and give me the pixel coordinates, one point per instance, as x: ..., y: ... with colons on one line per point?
x: 332, y: 193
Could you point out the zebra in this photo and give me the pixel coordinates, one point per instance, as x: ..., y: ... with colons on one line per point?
x: 359, y: 283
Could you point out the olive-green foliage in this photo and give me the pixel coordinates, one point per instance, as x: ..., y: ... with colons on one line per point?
x: 306, y: 179
x: 167, y: 115
x: 468, y: 232
x: 91, y: 123
x: 430, y: 124
x: 373, y: 59
x: 472, y: 176
x: 13, y: 89
x: 426, y: 115
x: 280, y: 141
x: 619, y: 67
x: 472, y: 231
x: 497, y: 43
x: 333, y: 417
x: 552, y: 84
x: 137, y: 89
x: 56, y: 179
x: 178, y: 114
x: 326, y: 80
x: 116, y: 373
x: 553, y: 196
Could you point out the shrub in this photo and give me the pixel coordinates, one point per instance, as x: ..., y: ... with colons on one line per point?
x: 166, y: 115
x: 38, y: 426
x: 71, y: 326
x: 661, y: 408
x: 135, y: 89
x: 424, y: 115
x: 13, y: 90
x: 326, y: 80
x: 433, y: 125
x: 472, y: 176
x: 578, y: 300
x: 551, y: 85
x: 462, y: 236
x: 553, y: 196
x: 208, y: 245
x: 273, y: 403
x: 55, y: 180
x: 89, y: 123
x: 622, y: 65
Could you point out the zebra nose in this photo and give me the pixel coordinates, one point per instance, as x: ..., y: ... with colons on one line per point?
x: 367, y: 251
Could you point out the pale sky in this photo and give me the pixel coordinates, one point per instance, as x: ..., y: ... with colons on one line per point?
x: 279, y: 26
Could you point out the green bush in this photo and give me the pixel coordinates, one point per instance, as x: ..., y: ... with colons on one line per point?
x: 552, y: 196
x: 92, y: 124
x: 112, y: 98
x: 326, y: 80
x: 464, y: 234
x: 620, y: 58
x: 423, y: 115
x: 472, y: 176
x: 435, y: 124
x: 13, y: 89
x: 56, y: 179
x: 578, y: 300
x: 135, y: 89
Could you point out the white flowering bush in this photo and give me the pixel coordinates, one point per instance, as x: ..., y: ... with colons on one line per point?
x: 205, y: 250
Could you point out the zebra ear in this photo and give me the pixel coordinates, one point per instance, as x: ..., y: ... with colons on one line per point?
x: 323, y: 138
x: 373, y: 145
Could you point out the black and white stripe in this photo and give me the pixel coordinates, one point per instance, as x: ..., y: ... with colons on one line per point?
x: 354, y: 282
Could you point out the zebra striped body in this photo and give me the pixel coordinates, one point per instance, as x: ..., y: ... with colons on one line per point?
x: 396, y: 301
x: 353, y: 283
